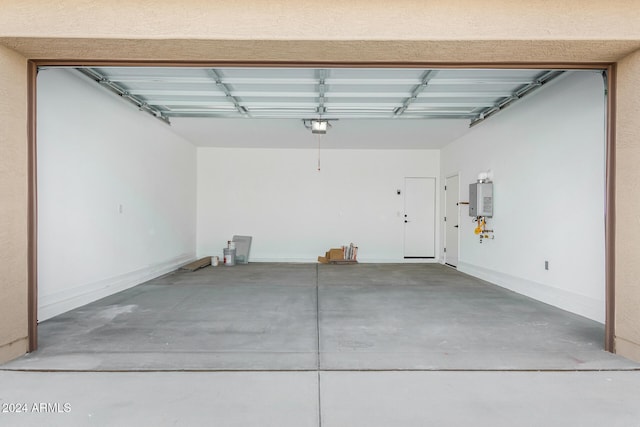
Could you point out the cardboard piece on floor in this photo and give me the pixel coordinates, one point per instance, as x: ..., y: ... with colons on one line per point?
x: 335, y: 256
x: 196, y: 265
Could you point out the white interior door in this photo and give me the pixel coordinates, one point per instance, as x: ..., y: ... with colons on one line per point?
x: 419, y: 217
x: 452, y: 220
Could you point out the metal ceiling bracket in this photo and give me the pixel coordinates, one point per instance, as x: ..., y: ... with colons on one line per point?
x: 540, y: 80
x: 321, y: 92
x: 223, y: 87
x: 322, y: 75
x: 140, y: 103
x: 426, y: 77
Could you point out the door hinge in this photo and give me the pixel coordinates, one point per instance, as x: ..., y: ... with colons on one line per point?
x: 445, y: 219
x: 445, y: 188
x: 445, y: 250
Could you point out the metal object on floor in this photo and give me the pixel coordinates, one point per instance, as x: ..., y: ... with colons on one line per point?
x: 229, y: 257
x: 243, y: 247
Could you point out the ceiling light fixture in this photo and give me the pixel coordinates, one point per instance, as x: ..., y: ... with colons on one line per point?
x: 317, y: 126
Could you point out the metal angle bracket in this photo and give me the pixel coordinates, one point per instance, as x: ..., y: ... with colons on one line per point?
x: 539, y: 81
x: 113, y: 87
x: 322, y: 75
x: 224, y: 88
x: 426, y: 77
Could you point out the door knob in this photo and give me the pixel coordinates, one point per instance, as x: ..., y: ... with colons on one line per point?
x: 405, y: 221
x: 455, y: 226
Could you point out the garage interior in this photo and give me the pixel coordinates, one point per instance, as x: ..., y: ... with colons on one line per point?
x: 189, y: 156
x: 112, y: 300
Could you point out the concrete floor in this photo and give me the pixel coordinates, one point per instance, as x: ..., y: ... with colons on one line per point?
x: 347, y: 399
x: 305, y: 317
x: 300, y: 344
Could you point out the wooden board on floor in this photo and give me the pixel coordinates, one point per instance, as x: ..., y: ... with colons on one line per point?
x: 343, y: 261
x: 196, y: 265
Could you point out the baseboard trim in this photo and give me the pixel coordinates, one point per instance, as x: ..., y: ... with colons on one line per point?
x: 360, y: 260
x: 285, y: 260
x: 60, y: 302
x: 569, y: 301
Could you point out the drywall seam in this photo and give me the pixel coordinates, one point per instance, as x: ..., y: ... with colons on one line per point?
x: 60, y: 302
x: 570, y: 301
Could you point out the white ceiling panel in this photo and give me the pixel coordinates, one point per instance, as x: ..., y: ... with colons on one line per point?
x: 345, y: 134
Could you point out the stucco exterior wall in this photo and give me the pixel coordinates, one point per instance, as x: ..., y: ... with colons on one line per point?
x: 328, y: 20
x: 13, y: 204
x: 334, y: 30
x: 628, y: 208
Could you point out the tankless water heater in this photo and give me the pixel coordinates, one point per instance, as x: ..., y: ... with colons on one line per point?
x: 481, y: 199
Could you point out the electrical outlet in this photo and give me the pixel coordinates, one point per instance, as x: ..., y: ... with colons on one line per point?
x: 546, y: 265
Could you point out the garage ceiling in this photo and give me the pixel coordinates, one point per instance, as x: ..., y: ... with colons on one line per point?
x: 263, y: 107
x: 306, y: 93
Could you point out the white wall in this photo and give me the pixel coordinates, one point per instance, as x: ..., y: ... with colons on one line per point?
x: 546, y: 155
x: 296, y: 213
x: 355, y: 134
x: 95, y: 154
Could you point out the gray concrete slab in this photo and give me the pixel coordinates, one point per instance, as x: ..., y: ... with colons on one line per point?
x: 252, y: 273
x: 495, y: 399
x: 385, y: 274
x: 332, y: 399
x: 371, y: 317
x: 239, y: 399
x: 426, y: 316
x: 226, y: 318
